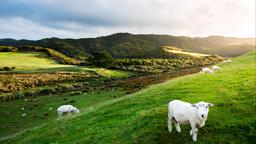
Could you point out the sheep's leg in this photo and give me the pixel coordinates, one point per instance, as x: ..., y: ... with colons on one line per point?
x: 196, y: 130
x: 202, y: 124
x: 59, y: 114
x: 170, y: 122
x: 193, y: 131
x: 177, y: 125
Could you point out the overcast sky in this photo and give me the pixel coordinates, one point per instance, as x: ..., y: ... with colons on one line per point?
x: 36, y: 19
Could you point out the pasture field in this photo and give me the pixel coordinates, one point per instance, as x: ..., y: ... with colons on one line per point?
x: 45, y: 84
x: 32, y: 62
x: 28, y: 61
x: 42, y: 109
x: 142, y: 117
x: 171, y: 49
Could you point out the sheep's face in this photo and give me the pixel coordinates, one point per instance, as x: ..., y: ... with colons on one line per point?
x: 77, y: 110
x: 202, y: 109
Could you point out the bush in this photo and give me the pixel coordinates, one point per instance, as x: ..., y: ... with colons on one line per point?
x: 102, y: 59
x: 7, y: 69
x: 8, y: 49
x: 165, y: 64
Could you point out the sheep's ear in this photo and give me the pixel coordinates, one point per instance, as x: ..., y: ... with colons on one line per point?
x: 210, y: 105
x: 193, y: 105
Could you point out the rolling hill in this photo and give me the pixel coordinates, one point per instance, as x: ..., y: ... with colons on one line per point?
x: 28, y: 61
x: 128, y: 45
x: 39, y: 62
x: 142, y: 117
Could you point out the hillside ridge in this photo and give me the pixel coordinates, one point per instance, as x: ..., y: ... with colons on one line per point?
x: 140, y: 45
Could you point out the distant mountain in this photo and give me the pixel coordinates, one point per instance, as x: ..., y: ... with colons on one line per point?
x: 141, y: 45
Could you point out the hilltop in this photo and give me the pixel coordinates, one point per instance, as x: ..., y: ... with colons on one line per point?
x: 126, y: 45
x: 142, y: 117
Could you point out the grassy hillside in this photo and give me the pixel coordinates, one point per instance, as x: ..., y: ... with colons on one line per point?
x: 40, y: 84
x: 29, y: 62
x: 142, y: 117
x: 124, y: 45
x: 175, y: 50
x: 42, y: 109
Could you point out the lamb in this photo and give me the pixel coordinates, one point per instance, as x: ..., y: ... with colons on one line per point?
x: 185, y: 113
x: 214, y: 68
x: 227, y: 61
x: 24, y: 114
x: 207, y: 70
x: 67, y: 109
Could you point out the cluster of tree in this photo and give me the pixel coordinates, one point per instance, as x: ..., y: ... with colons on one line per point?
x: 101, y: 59
x: 8, y: 49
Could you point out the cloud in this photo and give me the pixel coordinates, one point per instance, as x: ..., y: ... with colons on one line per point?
x: 35, y: 19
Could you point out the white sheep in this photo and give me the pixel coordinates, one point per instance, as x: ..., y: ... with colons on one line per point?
x: 227, y: 61
x: 214, y: 68
x: 67, y: 109
x: 185, y: 113
x: 207, y: 70
x: 24, y: 114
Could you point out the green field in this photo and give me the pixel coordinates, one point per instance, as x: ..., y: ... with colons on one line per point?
x: 43, y: 109
x: 30, y: 62
x: 142, y: 117
x: 37, y: 107
x: 175, y: 50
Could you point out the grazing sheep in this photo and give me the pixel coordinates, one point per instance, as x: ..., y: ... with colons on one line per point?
x: 67, y: 109
x: 214, y: 68
x: 185, y: 113
x: 50, y: 109
x: 227, y: 61
x: 24, y: 114
x: 207, y: 70
x: 22, y: 108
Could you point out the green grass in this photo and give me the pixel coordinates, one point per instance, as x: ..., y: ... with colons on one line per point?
x: 15, y: 123
x: 142, y: 117
x: 175, y: 50
x: 30, y: 62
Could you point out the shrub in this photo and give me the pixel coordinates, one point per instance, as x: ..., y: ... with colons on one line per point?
x: 8, y: 49
x: 101, y: 59
x: 7, y: 69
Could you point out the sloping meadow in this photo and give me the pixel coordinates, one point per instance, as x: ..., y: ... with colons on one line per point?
x: 142, y: 117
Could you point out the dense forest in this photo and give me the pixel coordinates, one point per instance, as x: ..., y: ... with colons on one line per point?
x: 126, y: 45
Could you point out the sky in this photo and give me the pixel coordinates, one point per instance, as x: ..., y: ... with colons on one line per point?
x: 37, y: 19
